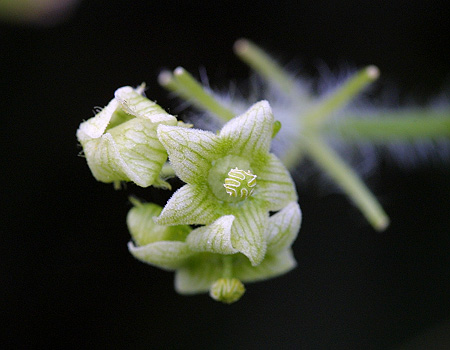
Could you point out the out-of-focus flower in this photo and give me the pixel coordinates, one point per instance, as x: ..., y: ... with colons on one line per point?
x: 41, y: 12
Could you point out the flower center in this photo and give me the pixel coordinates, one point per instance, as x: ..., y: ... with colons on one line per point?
x: 228, y: 182
x: 240, y: 183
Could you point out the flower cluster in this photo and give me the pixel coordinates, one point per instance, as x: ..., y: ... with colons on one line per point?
x: 232, y: 185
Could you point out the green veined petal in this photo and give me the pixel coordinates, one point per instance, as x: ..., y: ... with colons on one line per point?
x: 134, y: 103
x: 190, y: 205
x: 191, y: 151
x: 275, y: 184
x: 250, y: 134
x: 283, y: 228
x: 95, y: 127
x: 247, y: 232
x: 214, y: 238
x: 128, y: 152
x: 167, y: 255
x: 271, y: 266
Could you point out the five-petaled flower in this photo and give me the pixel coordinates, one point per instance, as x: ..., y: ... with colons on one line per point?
x: 203, y: 160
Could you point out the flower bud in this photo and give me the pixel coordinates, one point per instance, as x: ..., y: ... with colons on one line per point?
x: 227, y: 290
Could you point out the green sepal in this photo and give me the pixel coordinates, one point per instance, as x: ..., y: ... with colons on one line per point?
x: 276, y: 128
x: 202, y: 270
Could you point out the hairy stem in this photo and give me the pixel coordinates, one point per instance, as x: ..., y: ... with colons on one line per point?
x: 348, y: 180
x: 341, y: 96
x: 394, y: 126
x: 265, y: 65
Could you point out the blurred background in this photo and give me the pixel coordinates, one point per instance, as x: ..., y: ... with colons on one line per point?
x: 67, y: 277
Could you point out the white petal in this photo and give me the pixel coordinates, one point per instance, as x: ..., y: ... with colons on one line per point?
x: 251, y: 133
x: 275, y: 184
x: 283, y: 228
x: 190, y: 205
x: 191, y: 151
x: 95, y: 127
x: 214, y: 238
x: 167, y: 255
x: 247, y: 232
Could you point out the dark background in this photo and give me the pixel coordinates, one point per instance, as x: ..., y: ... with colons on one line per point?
x: 67, y: 277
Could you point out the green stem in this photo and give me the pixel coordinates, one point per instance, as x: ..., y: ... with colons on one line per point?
x: 265, y: 65
x: 185, y: 86
x: 348, y: 180
x: 227, y: 261
x: 339, y: 98
x: 394, y: 126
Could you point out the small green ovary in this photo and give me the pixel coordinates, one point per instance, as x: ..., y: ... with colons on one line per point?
x: 240, y: 183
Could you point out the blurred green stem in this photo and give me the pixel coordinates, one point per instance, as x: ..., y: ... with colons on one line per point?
x: 346, y: 178
x: 265, y: 65
x: 185, y: 86
x: 393, y: 126
x: 337, y: 100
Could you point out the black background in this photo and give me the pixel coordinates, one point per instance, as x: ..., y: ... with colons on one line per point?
x: 67, y: 277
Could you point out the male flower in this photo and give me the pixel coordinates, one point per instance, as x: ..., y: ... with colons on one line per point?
x: 232, y: 182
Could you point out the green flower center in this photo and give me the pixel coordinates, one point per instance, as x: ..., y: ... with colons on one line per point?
x: 228, y: 182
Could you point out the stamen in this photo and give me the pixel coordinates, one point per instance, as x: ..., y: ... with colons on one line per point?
x: 240, y: 183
